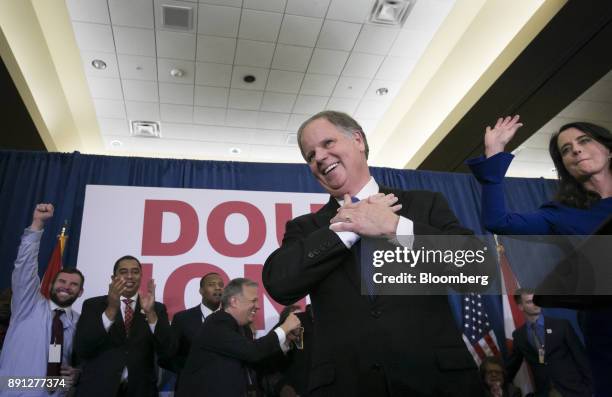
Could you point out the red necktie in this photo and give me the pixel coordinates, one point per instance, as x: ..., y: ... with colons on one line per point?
x: 129, y: 314
x: 57, y: 338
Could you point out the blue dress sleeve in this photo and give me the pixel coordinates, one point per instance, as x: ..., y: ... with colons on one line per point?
x: 490, y: 173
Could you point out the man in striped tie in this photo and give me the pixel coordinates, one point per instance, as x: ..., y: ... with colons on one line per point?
x: 119, y: 334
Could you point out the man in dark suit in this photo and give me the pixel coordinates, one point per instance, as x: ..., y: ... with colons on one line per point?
x: 217, y: 362
x: 118, y: 336
x: 366, y: 345
x: 187, y: 323
x: 552, y: 350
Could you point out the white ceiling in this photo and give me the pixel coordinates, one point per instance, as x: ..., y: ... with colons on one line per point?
x: 594, y: 105
x: 306, y: 55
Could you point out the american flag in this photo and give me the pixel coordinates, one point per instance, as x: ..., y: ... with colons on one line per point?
x: 477, y: 332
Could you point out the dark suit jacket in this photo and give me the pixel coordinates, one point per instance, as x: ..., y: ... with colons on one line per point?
x: 216, y: 365
x: 185, y: 327
x: 566, y: 365
x: 105, y: 354
x: 395, y: 345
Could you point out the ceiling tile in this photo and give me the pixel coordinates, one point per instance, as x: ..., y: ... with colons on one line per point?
x: 275, y: 153
x: 272, y: 121
x: 178, y: 94
x: 204, y: 115
x: 261, y: 75
x: 176, y: 45
x: 276, y: 102
x: 105, y: 88
x: 350, y: 10
x: 593, y: 111
x: 211, y: 96
x: 600, y: 92
x: 395, y: 68
x: 362, y: 65
x: 134, y: 13
x: 93, y: 37
x: 110, y: 59
x: 109, y: 108
x: 113, y: 126
x: 337, y: 35
x: 259, y: 25
x: 254, y: 53
x: 140, y: 90
x: 318, y: 84
x: 410, y: 43
x: 241, y: 118
x: 327, y: 61
x: 94, y: 11
x: 283, y: 81
x: 231, y: 3
x: 292, y: 58
x: 213, y: 74
x: 311, y: 8
x: 218, y: 20
x: 428, y: 15
x: 300, y: 30
x: 165, y: 66
x: 134, y: 41
x: 375, y: 39
x: 269, y: 137
x: 146, y: 111
x: 176, y: 113
x: 351, y: 87
x: 346, y: 105
x: 245, y: 99
x: 215, y: 49
x: 310, y: 104
x: 266, y: 5
x: 371, y: 109
x: 368, y: 125
x: 296, y: 120
x: 137, y: 67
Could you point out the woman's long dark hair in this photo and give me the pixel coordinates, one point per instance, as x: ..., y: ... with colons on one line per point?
x: 571, y: 192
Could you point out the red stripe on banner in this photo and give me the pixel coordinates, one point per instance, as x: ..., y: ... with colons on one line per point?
x: 492, y: 345
x: 511, y: 286
x: 481, y: 353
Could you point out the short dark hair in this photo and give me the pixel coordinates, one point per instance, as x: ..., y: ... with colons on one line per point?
x: 341, y: 120
x: 522, y: 291
x: 125, y: 258
x: 206, y: 275
x: 69, y: 270
x: 571, y: 191
x: 233, y: 288
x: 491, y: 360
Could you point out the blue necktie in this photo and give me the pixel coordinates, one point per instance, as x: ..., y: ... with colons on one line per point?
x: 364, y: 255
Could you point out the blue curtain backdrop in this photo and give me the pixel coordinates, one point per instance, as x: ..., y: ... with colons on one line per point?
x: 27, y: 178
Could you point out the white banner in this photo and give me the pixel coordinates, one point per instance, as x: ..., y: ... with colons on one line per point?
x: 181, y: 234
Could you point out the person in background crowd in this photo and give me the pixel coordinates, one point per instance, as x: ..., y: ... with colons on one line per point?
x: 5, y: 313
x: 495, y: 380
x: 218, y: 363
x: 39, y: 339
x: 187, y: 323
x: 552, y: 350
x: 581, y: 153
x: 119, y: 334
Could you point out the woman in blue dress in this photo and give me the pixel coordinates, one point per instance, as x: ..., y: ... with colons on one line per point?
x: 581, y: 153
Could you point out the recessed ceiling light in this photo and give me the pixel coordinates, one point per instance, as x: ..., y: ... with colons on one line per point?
x: 177, y: 72
x: 235, y: 150
x: 249, y: 78
x: 116, y: 143
x: 98, y: 64
x: 382, y: 91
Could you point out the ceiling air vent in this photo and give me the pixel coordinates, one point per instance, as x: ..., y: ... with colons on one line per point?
x: 391, y: 12
x: 176, y: 17
x: 145, y: 129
